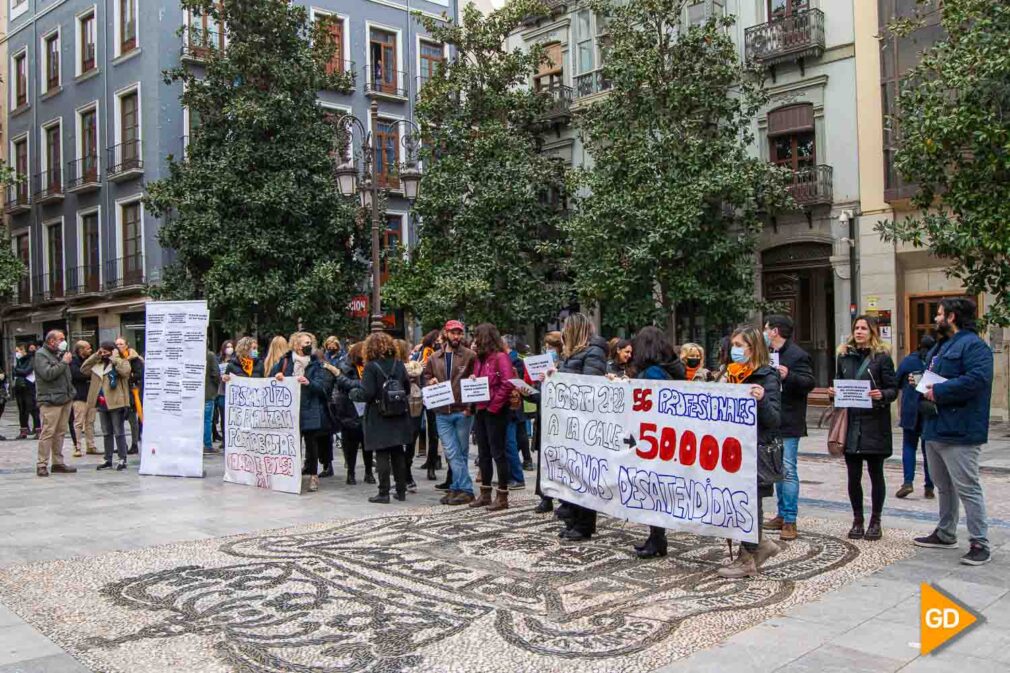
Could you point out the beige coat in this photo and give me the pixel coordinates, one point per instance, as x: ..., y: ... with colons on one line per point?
x: 115, y: 398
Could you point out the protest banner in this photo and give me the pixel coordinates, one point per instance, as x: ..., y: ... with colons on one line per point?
x: 852, y: 394
x: 672, y: 454
x: 474, y: 390
x: 263, y: 446
x: 438, y: 395
x: 175, y: 363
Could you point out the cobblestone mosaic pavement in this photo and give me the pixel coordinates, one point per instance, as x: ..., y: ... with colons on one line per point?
x: 434, y: 589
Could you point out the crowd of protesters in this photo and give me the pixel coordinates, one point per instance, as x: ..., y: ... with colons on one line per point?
x: 367, y: 399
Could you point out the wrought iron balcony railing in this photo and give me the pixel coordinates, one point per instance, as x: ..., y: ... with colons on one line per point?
x: 125, y: 160
x: 813, y: 186
x: 790, y: 38
x: 590, y: 83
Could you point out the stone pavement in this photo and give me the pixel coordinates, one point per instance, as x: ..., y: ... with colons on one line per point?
x: 867, y: 625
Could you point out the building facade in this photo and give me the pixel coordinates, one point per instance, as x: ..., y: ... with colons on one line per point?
x: 809, y: 126
x: 88, y: 121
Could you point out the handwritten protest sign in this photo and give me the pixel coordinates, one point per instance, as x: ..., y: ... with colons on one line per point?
x: 438, y: 395
x: 853, y: 394
x: 537, y: 365
x: 262, y: 443
x: 665, y: 453
x: 474, y: 390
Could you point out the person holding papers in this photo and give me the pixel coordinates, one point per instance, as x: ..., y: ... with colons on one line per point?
x: 864, y: 357
x: 492, y: 416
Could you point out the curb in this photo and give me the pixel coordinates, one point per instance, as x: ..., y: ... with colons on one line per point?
x: 823, y: 457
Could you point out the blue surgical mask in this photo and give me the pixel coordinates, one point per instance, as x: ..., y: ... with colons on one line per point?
x: 738, y: 355
x: 768, y: 339
x: 254, y: 354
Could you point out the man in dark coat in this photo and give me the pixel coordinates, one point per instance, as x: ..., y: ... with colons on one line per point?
x: 796, y: 371
x: 83, y: 414
x: 959, y: 426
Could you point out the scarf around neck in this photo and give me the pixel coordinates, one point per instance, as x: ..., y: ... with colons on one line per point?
x: 738, y: 372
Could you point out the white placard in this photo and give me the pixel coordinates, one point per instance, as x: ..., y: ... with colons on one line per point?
x: 438, y: 395
x: 537, y: 365
x: 672, y: 454
x: 263, y: 447
x: 475, y: 390
x: 852, y: 394
x: 929, y: 379
x: 522, y: 386
x: 361, y: 408
x: 175, y: 366
x: 774, y: 359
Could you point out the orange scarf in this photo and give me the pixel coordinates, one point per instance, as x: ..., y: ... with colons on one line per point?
x: 361, y: 371
x: 738, y: 373
x: 691, y: 371
x: 247, y: 365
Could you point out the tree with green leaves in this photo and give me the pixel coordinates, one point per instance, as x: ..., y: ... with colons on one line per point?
x: 12, y: 269
x: 488, y: 236
x: 675, y: 199
x: 252, y: 211
x: 953, y: 125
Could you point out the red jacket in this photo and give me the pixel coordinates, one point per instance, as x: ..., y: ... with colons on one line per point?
x: 498, y: 370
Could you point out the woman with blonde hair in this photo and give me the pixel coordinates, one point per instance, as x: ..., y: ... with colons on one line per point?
x: 693, y: 357
x: 751, y: 366
x: 278, y: 349
x: 245, y: 362
x: 868, y: 435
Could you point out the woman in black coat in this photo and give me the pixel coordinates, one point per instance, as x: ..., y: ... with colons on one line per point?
x: 388, y: 436
x: 868, y: 437
x: 750, y: 365
x: 583, y: 353
x: 352, y: 436
x: 314, y: 420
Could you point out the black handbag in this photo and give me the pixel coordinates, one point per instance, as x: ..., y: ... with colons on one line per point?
x: 770, y: 462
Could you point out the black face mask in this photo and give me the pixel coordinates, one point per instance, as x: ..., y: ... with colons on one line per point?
x: 307, y: 350
x: 693, y: 362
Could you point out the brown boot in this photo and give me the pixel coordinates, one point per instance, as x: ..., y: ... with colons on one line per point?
x: 743, y: 566
x: 444, y: 500
x: 773, y: 524
x: 461, y: 498
x: 485, y: 497
x: 788, y: 532
x: 501, y: 501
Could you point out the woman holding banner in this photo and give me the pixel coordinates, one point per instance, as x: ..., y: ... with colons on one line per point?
x: 750, y: 366
x: 868, y: 435
x: 583, y: 352
x: 653, y: 358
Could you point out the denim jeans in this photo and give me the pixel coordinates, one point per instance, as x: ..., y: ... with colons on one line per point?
x: 454, y: 432
x: 512, y: 453
x: 788, y: 490
x: 208, y: 423
x: 909, y: 449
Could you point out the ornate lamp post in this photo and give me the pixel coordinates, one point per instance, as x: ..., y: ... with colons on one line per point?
x: 368, y: 189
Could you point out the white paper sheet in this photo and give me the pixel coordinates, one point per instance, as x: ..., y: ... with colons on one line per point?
x: 929, y: 379
x: 438, y: 395
x: 774, y: 357
x: 475, y: 390
x: 852, y: 394
x: 537, y: 365
x: 522, y: 386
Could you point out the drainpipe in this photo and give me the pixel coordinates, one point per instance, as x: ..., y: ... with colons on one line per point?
x: 848, y: 217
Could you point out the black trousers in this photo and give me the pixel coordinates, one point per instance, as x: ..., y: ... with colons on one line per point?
x: 392, y: 460
x: 583, y: 519
x: 431, y: 429
x: 523, y: 437
x: 750, y: 546
x: 315, y: 446
x: 352, y: 441
x: 540, y: 453
x: 326, y: 449
x: 875, y: 468
x: 27, y: 407
x: 491, y: 429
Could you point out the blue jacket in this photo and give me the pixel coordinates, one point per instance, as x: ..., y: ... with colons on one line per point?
x: 910, y: 397
x: 963, y: 399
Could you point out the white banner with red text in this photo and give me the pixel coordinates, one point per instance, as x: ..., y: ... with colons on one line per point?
x: 673, y: 454
x: 263, y: 446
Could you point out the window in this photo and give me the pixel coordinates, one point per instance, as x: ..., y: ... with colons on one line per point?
x: 90, y: 253
x: 780, y: 9
x: 86, y: 31
x: 23, y: 248
x: 52, y: 64
x: 791, y: 137
x: 129, y: 132
x: 21, y: 157
x: 89, y: 145
x: 133, y: 260
x: 204, y: 32
x: 392, y: 237
x: 382, y: 49
x: 20, y: 79
x: 431, y: 55
x: 549, y: 74
x: 127, y: 26
x: 335, y: 27
x: 700, y: 12
x: 342, y: 147
x: 51, y: 180
x: 54, y: 260
x: 387, y: 154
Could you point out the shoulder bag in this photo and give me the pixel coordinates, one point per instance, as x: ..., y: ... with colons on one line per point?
x: 839, y: 424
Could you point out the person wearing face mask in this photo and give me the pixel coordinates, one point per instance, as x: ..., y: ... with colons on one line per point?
x: 246, y: 361
x: 135, y: 414
x: 212, y: 382
x: 83, y: 413
x: 224, y: 356
x: 868, y: 436
x: 109, y: 394
x: 693, y: 357
x: 314, y: 415
x: 334, y: 353
x: 552, y: 347
x: 24, y: 390
x: 750, y: 367
x: 796, y: 369
x: 55, y: 394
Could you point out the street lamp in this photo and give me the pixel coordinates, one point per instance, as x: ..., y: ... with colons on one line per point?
x: 367, y: 184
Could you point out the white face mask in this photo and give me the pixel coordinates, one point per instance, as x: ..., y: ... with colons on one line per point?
x: 229, y: 351
x: 62, y: 346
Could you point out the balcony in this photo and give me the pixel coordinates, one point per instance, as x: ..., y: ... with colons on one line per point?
x: 48, y: 187
x: 591, y: 83
x: 790, y: 38
x: 84, y: 175
x: 125, y: 161
x: 124, y: 273
x: 554, y: 8
x: 16, y: 200
x: 560, y: 110
x: 83, y: 280
x: 198, y: 43
x: 47, y: 286
x: 391, y: 84
x: 23, y: 291
x: 812, y: 186
x: 344, y: 70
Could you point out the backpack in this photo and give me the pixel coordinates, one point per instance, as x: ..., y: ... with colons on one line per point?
x: 416, y: 400
x: 393, y: 398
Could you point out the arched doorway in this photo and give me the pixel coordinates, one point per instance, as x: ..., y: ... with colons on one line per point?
x: 798, y: 277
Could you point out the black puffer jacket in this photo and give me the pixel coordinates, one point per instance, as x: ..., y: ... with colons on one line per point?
x: 869, y: 431
x: 314, y: 415
x: 769, y: 419
x: 592, y: 361
x: 343, y: 407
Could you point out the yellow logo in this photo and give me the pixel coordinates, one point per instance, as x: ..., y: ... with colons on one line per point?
x: 941, y: 619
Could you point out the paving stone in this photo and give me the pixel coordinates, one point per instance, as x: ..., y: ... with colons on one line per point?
x: 880, y: 638
x: 57, y: 663
x: 834, y: 658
